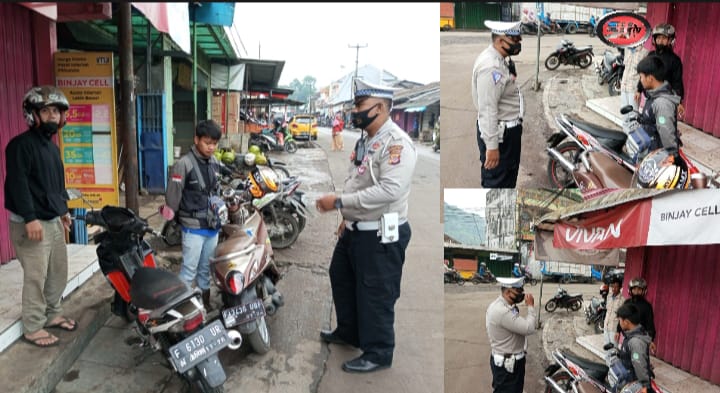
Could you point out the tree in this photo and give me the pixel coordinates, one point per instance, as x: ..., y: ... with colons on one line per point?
x: 303, y: 91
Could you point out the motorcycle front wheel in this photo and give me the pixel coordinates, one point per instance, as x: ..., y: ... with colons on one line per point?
x: 460, y: 282
x: 558, y: 176
x: 552, y: 62
x: 563, y: 380
x: 551, y: 306
x: 599, y: 326
x: 291, y: 147
x: 576, y: 305
x: 585, y: 61
x: 283, y: 230
x: 614, y: 86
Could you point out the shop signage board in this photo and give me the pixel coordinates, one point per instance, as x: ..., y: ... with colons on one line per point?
x: 87, y: 142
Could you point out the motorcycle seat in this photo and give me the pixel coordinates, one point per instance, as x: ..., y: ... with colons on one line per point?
x: 597, y: 371
x: 583, y: 48
x: 599, y: 132
x: 154, y: 288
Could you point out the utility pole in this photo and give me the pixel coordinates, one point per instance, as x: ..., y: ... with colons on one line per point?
x: 127, y: 108
x: 357, y: 54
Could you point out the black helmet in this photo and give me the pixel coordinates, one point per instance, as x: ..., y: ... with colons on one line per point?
x: 638, y: 282
x: 41, y: 96
x: 277, y: 122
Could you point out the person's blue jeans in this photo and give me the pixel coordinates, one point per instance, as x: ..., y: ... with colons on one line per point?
x: 197, y: 250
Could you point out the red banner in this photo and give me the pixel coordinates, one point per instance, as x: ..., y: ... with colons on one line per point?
x: 621, y: 226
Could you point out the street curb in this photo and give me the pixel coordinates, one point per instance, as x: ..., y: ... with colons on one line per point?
x: 27, y: 369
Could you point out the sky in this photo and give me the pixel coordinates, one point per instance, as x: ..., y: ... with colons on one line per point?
x: 469, y: 199
x: 313, y: 38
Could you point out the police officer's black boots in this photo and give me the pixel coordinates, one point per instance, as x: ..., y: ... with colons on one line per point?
x: 206, y: 300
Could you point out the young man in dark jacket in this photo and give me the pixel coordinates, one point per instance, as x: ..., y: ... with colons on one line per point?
x: 193, y: 182
x: 638, y: 289
x: 659, y: 112
x: 634, y: 353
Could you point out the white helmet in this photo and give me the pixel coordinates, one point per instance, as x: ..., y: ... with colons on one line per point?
x: 249, y: 159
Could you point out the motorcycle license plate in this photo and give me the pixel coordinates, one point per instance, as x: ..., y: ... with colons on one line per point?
x: 237, y: 315
x: 202, y: 344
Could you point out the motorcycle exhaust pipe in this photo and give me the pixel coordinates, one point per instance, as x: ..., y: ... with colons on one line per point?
x: 235, y: 339
x: 564, y: 162
x: 554, y: 385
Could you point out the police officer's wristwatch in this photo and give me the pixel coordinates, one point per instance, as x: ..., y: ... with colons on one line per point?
x: 338, y: 203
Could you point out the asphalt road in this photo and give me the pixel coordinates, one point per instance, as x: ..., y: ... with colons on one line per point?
x: 298, y: 361
x: 460, y: 164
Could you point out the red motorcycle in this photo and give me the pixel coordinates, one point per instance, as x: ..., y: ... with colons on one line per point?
x: 169, y: 316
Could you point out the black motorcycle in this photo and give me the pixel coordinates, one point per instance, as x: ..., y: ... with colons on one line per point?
x: 610, y: 70
x: 566, y: 53
x: 595, y: 314
x: 529, y: 279
x: 564, y: 300
x: 453, y: 277
x: 486, y: 278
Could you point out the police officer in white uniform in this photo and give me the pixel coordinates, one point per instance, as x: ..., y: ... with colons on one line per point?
x: 500, y: 106
x: 507, y: 332
x: 366, y: 265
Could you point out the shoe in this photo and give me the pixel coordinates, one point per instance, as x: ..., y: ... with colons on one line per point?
x: 331, y: 338
x: 361, y: 365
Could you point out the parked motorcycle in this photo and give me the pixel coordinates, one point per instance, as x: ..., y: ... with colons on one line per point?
x: 595, y: 313
x: 566, y: 53
x: 595, y: 157
x: 169, y: 316
x: 244, y: 270
x: 267, y: 141
x: 453, y: 277
x: 564, y: 300
x: 572, y: 374
x: 610, y: 70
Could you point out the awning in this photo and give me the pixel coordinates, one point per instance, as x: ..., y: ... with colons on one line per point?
x: 634, y: 218
x: 159, y: 15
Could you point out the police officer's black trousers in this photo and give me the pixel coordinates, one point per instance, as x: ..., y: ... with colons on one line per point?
x: 505, y: 174
x: 365, y: 279
x: 505, y: 382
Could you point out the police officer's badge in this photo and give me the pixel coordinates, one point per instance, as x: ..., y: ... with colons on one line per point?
x: 395, y: 151
x: 496, y: 76
x: 376, y: 145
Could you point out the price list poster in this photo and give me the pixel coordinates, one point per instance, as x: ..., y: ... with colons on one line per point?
x: 87, y: 142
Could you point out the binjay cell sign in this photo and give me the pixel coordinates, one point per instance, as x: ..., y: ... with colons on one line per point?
x: 678, y: 218
x: 623, y: 29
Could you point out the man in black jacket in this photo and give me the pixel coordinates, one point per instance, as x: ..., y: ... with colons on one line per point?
x: 663, y: 38
x: 638, y: 289
x: 36, y: 198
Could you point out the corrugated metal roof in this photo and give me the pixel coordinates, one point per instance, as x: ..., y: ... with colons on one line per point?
x: 611, y: 199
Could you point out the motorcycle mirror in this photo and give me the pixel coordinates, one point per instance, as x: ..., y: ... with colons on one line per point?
x: 626, y: 109
x: 166, y: 212
x: 608, y: 346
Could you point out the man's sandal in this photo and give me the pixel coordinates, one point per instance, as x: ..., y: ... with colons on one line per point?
x: 64, y: 324
x: 36, y: 341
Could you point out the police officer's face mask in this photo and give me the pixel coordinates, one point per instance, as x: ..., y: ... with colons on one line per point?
x: 515, y: 47
x: 519, y: 295
x: 361, y: 119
